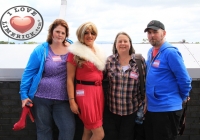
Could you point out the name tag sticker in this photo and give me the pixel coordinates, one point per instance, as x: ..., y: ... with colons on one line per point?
x: 156, y: 63
x: 56, y: 58
x: 134, y: 75
x: 80, y: 92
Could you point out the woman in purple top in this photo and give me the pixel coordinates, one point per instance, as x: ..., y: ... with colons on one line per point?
x: 44, y: 84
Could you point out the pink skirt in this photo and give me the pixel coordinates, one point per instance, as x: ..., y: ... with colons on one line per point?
x: 90, y: 100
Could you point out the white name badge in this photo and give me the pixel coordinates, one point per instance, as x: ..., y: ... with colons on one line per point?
x: 134, y: 75
x: 156, y: 63
x: 80, y: 92
x: 56, y: 58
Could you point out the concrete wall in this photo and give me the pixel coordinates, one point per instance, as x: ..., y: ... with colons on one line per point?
x: 10, y: 110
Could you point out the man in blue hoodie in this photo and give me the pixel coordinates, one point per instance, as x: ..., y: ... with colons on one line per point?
x: 167, y: 85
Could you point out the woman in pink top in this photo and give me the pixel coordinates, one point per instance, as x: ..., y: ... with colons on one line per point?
x: 85, y: 64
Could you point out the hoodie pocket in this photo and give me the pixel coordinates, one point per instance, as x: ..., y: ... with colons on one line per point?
x: 154, y: 97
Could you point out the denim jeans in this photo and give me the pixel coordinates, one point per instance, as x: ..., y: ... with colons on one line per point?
x: 46, y: 111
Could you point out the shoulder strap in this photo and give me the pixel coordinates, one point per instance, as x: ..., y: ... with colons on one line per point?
x: 138, y: 58
x: 181, y: 126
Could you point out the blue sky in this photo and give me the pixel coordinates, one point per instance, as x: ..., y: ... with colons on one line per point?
x: 180, y: 17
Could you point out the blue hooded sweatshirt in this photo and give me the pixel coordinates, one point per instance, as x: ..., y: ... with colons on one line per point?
x: 33, y: 71
x: 167, y: 83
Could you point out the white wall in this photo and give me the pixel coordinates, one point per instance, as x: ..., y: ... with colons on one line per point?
x: 13, y: 58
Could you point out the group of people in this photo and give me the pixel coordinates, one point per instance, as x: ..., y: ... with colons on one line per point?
x: 63, y: 78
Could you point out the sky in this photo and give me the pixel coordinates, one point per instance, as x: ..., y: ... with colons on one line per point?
x: 180, y: 17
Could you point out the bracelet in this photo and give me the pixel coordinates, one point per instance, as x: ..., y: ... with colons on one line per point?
x: 71, y: 98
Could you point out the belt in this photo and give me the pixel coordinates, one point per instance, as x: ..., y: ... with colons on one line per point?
x: 96, y: 83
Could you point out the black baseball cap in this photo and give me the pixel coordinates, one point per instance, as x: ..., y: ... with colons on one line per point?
x: 155, y: 25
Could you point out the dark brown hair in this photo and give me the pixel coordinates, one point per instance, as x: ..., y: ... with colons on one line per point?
x: 130, y: 41
x: 56, y: 23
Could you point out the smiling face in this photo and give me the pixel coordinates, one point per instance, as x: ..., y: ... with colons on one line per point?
x: 123, y: 44
x: 89, y: 38
x: 59, y: 34
x: 87, y: 33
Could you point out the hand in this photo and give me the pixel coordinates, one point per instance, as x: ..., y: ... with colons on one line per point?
x: 25, y: 101
x: 187, y: 99
x: 67, y: 44
x: 74, y: 108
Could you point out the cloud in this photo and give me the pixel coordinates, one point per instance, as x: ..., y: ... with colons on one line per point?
x: 180, y: 17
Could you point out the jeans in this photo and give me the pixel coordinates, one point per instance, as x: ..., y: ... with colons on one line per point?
x: 46, y: 111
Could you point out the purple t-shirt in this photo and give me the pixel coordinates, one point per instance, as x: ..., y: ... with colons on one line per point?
x: 53, y: 81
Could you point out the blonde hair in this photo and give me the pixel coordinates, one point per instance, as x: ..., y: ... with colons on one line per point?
x: 56, y: 23
x: 80, y: 32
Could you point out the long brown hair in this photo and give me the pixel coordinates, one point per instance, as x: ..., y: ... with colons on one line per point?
x: 130, y: 41
x: 56, y: 23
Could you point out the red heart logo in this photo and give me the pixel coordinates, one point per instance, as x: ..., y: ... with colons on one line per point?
x: 22, y: 24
